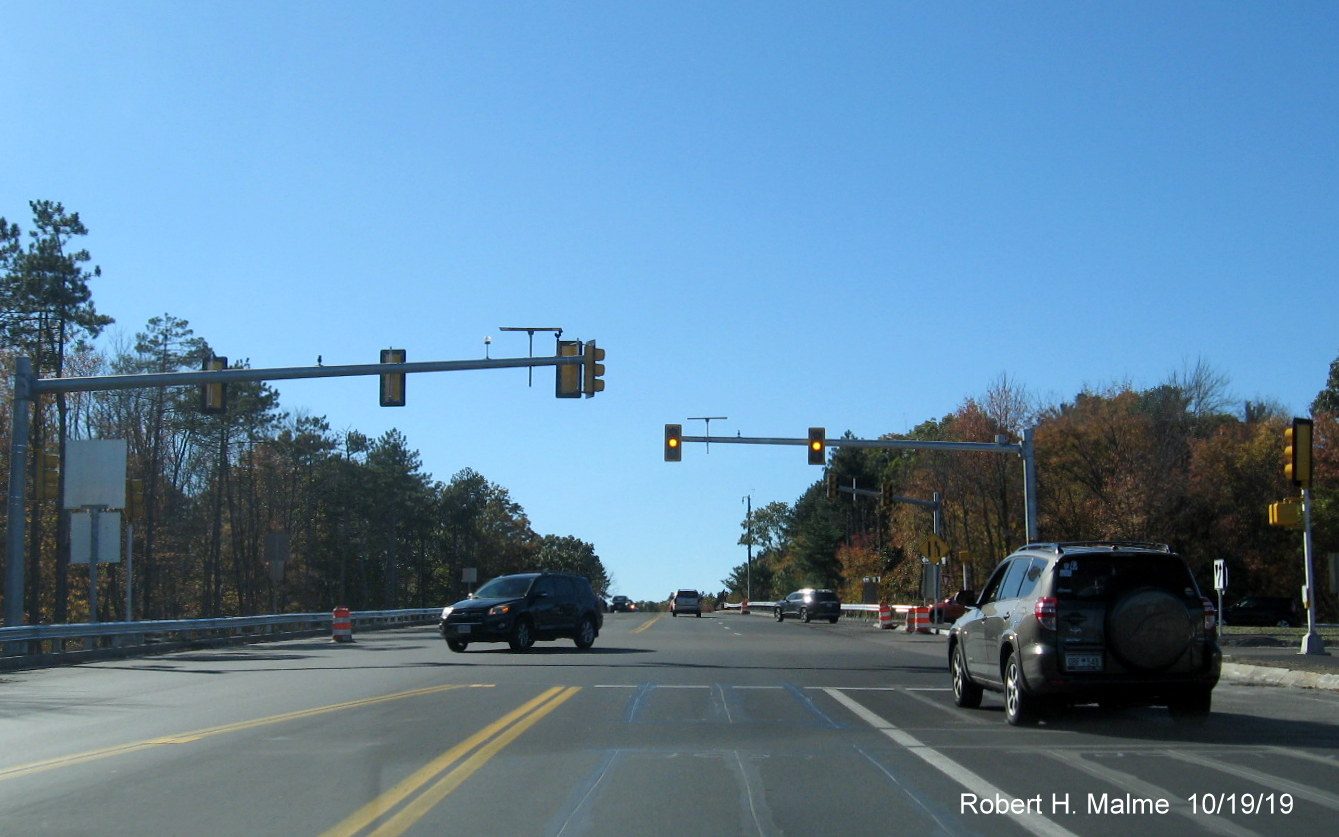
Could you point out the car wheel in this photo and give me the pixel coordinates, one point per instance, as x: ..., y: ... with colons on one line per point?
x: 673, y: 613
x: 456, y: 645
x: 698, y: 614
x: 1019, y: 706
x: 1192, y: 704
x: 832, y: 619
x: 1283, y: 623
x: 804, y: 615
x: 780, y: 617
x: 1149, y: 629
x: 522, y: 636
x: 585, y: 637
x: 965, y: 693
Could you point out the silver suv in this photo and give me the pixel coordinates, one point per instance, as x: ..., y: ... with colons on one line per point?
x: 1108, y: 622
x: 686, y: 601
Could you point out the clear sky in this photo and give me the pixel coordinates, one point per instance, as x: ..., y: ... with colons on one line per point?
x: 853, y: 215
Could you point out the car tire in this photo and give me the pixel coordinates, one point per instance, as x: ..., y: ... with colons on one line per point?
x: 965, y: 693
x: 522, y: 636
x: 1191, y: 705
x: 673, y: 613
x: 1149, y: 629
x: 832, y: 619
x: 780, y: 617
x: 1283, y: 623
x: 804, y: 615
x: 585, y: 636
x: 457, y: 645
x: 1020, y: 708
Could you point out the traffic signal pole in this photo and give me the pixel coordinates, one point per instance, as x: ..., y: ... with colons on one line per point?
x: 27, y: 388
x: 1312, y: 643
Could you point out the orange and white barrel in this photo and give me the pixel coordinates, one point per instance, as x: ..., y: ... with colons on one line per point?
x: 920, y: 616
x: 885, y: 616
x: 341, y: 625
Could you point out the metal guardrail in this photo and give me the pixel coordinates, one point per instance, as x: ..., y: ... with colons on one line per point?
x: 41, y: 644
x: 853, y: 608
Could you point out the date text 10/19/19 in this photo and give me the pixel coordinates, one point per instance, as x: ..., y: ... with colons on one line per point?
x: 1210, y: 804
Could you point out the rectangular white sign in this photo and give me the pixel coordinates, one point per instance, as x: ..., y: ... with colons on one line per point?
x: 109, y: 537
x: 95, y: 473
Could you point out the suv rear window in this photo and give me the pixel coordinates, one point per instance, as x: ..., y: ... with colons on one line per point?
x: 1106, y: 577
x: 825, y: 596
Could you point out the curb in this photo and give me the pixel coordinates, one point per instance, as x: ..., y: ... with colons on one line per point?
x: 1275, y: 676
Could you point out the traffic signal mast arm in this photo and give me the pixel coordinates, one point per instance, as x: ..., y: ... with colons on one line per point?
x: 991, y: 447
x: 37, y: 385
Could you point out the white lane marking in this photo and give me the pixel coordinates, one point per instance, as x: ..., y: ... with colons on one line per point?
x: 1035, y: 823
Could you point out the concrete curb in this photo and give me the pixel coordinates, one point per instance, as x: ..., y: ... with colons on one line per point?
x: 1275, y: 676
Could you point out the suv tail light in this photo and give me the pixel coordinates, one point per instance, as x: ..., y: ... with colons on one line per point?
x: 1210, y: 614
x: 1045, y: 611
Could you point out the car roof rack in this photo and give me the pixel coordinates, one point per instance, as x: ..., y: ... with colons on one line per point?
x: 1059, y: 547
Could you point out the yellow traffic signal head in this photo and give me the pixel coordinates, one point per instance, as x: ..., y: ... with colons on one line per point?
x: 1297, y: 452
x: 674, y: 443
x: 569, y: 376
x: 214, y: 397
x: 593, y: 369
x: 817, y: 446
x: 392, y: 385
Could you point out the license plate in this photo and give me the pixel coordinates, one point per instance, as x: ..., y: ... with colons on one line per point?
x: 1083, y: 662
x: 462, y: 629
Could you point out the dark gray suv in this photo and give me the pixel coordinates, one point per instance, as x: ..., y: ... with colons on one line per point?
x: 519, y: 609
x: 1109, y: 622
x: 809, y: 604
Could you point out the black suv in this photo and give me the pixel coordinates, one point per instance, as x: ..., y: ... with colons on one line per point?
x: 1106, y: 622
x: 1264, y: 611
x: 809, y: 604
x: 520, y: 609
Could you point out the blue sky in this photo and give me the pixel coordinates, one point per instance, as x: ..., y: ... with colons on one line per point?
x: 851, y: 215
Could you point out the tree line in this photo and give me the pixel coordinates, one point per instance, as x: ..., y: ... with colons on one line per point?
x: 1176, y: 463
x: 366, y: 527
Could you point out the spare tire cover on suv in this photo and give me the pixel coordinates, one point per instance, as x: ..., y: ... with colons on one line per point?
x: 1149, y: 629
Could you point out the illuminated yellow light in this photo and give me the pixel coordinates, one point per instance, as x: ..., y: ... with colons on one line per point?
x: 674, y: 443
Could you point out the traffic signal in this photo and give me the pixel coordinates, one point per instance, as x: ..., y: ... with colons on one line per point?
x: 674, y: 443
x: 1297, y: 453
x: 392, y: 384
x: 568, y: 377
x: 593, y: 370
x: 832, y: 485
x: 817, y: 446
x: 134, y: 499
x: 48, y: 477
x: 214, y: 397
x: 1287, y: 514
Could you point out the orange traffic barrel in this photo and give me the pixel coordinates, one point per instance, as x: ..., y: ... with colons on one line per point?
x: 341, y: 625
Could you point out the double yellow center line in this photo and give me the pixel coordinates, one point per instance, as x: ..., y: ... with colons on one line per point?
x: 407, y: 802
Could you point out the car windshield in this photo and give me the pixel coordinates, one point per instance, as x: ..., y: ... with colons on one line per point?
x: 1104, y: 577
x: 506, y: 587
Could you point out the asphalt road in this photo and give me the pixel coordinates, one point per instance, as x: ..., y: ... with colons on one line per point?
x: 724, y: 724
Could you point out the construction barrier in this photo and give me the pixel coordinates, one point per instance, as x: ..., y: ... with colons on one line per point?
x: 885, y: 617
x: 918, y: 620
x: 341, y: 625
